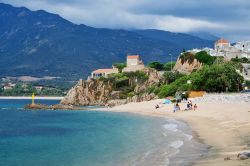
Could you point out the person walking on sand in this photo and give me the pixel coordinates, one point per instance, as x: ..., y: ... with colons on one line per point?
x: 195, y: 107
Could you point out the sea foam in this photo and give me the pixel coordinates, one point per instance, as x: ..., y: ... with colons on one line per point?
x: 171, y: 127
x: 176, y: 144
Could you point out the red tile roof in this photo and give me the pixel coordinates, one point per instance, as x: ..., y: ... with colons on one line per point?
x: 98, y: 71
x: 222, y: 41
x: 133, y: 56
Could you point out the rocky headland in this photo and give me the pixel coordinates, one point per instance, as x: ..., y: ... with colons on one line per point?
x: 132, y: 87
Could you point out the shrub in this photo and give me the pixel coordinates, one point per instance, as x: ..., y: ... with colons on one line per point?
x: 120, y: 66
x: 204, y: 58
x: 167, y: 66
x: 187, y: 56
x: 156, y: 65
x: 170, y: 77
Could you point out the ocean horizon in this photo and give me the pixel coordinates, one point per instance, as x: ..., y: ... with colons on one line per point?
x: 92, y: 138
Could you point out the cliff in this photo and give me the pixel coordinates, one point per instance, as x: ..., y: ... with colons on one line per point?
x: 104, y: 92
x: 186, y: 63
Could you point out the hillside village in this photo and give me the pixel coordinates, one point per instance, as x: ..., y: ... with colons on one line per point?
x: 222, y: 48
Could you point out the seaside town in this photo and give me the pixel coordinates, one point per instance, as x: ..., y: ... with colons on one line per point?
x: 91, y: 83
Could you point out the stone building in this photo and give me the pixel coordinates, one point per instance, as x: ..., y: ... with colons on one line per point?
x: 221, y: 44
x: 134, y: 63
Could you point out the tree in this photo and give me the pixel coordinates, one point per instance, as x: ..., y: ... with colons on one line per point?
x: 217, y: 78
x: 204, y: 58
x: 120, y: 66
x: 170, y: 77
x: 168, y: 66
x: 156, y: 65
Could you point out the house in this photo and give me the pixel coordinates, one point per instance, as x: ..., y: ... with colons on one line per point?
x: 134, y: 63
x: 221, y: 44
x: 103, y: 72
x: 9, y: 86
x: 39, y: 88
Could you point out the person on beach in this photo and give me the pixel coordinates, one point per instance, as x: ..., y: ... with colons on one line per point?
x: 190, y: 105
x: 176, y: 107
x: 195, y: 107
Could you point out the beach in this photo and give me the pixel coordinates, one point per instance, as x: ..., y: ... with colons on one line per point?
x: 223, y: 125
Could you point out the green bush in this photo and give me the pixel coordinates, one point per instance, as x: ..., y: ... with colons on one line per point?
x: 156, y: 65
x: 120, y: 66
x: 170, y: 77
x: 204, y: 58
x: 167, y: 66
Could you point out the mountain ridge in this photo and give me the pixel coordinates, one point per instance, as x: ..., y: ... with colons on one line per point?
x: 38, y: 43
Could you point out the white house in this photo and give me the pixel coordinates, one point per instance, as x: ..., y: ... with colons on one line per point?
x: 103, y: 72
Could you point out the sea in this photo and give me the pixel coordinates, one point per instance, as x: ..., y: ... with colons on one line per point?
x: 92, y: 138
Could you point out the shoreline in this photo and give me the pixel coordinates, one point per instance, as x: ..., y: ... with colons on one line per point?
x: 29, y: 97
x: 224, y: 127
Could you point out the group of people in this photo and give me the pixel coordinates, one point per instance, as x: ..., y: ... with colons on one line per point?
x: 189, y: 106
x: 178, y: 108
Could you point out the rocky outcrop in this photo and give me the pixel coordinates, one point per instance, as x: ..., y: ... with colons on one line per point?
x: 100, y: 92
x: 90, y: 92
x: 154, y: 78
x: 187, y: 66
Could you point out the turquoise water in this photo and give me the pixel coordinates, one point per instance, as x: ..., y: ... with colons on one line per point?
x: 91, y: 138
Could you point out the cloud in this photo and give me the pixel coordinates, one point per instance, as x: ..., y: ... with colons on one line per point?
x: 219, y: 17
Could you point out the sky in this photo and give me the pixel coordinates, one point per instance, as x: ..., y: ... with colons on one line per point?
x: 229, y: 19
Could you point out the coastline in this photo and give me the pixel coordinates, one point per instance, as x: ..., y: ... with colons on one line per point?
x: 224, y: 127
x: 29, y: 97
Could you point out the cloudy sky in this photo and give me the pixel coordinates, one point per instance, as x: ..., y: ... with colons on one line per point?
x: 225, y: 18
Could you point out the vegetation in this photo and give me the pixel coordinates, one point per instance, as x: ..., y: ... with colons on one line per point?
x: 215, y: 78
x: 247, y: 84
x: 162, y: 67
x: 26, y: 89
x: 204, y: 58
x: 126, y: 82
x: 169, y: 66
x: 156, y: 65
x: 120, y: 66
x: 170, y: 77
x: 241, y: 60
x: 187, y: 56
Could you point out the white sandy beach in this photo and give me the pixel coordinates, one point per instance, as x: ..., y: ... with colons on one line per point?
x: 29, y: 97
x: 222, y: 125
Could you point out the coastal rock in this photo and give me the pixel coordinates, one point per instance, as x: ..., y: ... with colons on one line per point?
x: 154, y: 78
x: 187, y: 66
x: 36, y: 106
x: 101, y: 91
x: 89, y: 92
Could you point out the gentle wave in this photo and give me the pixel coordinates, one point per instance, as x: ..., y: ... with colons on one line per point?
x: 176, y: 144
x: 189, y: 137
x: 171, y: 127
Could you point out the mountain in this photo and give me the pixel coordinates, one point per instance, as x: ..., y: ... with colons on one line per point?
x: 205, y: 35
x: 180, y: 39
x: 38, y: 43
